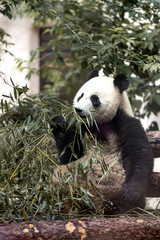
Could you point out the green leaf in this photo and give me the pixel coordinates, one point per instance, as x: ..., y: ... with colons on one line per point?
x: 156, y: 98
x: 25, y: 215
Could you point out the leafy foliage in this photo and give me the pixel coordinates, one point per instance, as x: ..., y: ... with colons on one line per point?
x: 27, y: 154
x: 6, y: 8
x: 29, y: 161
x: 118, y: 36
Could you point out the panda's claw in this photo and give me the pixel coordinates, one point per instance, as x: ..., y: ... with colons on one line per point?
x: 110, y: 208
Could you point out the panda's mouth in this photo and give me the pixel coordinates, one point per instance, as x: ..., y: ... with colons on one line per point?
x: 81, y: 116
x: 78, y: 110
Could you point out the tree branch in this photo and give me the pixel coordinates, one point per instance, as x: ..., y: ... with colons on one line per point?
x: 154, y: 140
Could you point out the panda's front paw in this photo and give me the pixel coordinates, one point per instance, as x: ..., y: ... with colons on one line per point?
x: 110, y: 208
x: 58, y: 122
x: 58, y: 126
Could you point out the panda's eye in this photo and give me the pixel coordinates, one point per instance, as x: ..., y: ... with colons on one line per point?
x: 95, y: 100
x: 80, y: 97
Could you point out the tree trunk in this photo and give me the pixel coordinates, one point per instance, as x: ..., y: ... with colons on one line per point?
x: 85, y: 228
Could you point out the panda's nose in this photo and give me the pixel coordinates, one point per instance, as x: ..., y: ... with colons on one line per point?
x: 78, y: 110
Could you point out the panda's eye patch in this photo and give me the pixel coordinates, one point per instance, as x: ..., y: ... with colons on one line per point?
x: 95, y: 100
x: 80, y: 97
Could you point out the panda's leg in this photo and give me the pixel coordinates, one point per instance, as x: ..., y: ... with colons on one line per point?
x: 137, y: 157
x: 68, y: 140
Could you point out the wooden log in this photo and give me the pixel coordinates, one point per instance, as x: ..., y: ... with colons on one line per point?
x: 154, y: 140
x: 153, y: 189
x: 85, y: 228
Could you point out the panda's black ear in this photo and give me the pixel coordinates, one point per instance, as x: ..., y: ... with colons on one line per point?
x: 93, y: 74
x: 122, y: 82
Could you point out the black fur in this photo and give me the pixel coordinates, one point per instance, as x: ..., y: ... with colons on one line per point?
x: 80, y: 97
x: 95, y: 101
x: 122, y: 82
x: 78, y: 110
x: 64, y: 137
x: 93, y: 74
x: 137, y: 158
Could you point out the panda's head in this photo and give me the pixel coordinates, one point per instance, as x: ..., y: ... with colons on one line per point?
x: 101, y: 96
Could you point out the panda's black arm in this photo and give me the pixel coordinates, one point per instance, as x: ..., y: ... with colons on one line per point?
x: 137, y: 156
x: 68, y: 140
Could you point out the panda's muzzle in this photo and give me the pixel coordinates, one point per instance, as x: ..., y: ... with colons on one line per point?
x: 80, y: 113
x: 77, y: 110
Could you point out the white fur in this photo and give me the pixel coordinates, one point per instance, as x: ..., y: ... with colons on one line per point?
x: 101, y: 73
x: 125, y: 104
x: 110, y: 97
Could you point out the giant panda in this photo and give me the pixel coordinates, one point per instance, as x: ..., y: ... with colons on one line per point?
x: 119, y: 159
